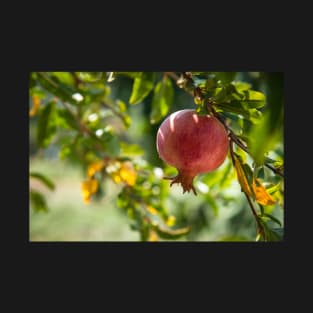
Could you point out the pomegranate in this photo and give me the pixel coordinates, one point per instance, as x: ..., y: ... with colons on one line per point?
x: 192, y: 143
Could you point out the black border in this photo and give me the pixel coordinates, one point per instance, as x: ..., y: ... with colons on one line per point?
x: 190, y: 54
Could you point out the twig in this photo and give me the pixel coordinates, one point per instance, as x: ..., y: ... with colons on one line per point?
x: 172, y: 74
x: 260, y: 227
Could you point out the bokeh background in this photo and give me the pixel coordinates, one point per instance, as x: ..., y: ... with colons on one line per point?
x: 227, y: 218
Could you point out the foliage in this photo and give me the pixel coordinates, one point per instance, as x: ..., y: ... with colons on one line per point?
x: 77, y: 113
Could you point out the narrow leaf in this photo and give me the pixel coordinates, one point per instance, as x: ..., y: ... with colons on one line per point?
x: 66, y: 119
x: 46, y: 125
x: 90, y: 77
x: 130, y: 149
x: 45, y: 180
x: 274, y: 219
x: 142, y: 86
x: 211, y: 201
x: 254, y: 99
x: 38, y: 201
x: 162, y: 100
x: 242, y: 178
x: 57, y: 88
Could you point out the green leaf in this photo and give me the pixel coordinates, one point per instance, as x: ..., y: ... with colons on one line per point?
x: 66, y: 119
x: 95, y: 93
x: 90, y: 77
x: 275, y: 98
x: 111, y: 144
x: 272, y: 234
x: 162, y: 100
x: 237, y: 107
x: 253, y: 99
x: 64, y: 77
x: 38, y: 91
x: 211, y: 201
x: 38, y: 201
x: 142, y: 86
x: 129, y: 74
x: 130, y: 149
x: 65, y: 151
x: 241, y: 86
x: 274, y: 188
x: 121, y: 105
x: 225, y: 77
x: 226, y: 179
x: 262, y: 140
x: 46, y: 126
x: 273, y: 218
x: 266, y: 134
x: 45, y: 180
x: 123, y: 115
x: 279, y: 233
x: 56, y: 87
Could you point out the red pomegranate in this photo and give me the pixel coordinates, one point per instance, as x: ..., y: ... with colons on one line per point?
x: 192, y: 143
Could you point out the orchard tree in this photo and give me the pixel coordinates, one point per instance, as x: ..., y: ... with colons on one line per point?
x: 233, y: 133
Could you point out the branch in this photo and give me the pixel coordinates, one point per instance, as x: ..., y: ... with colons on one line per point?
x: 82, y: 126
x: 172, y: 74
x: 232, y: 135
x: 260, y: 226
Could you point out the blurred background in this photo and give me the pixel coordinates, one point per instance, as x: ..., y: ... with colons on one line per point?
x: 216, y: 214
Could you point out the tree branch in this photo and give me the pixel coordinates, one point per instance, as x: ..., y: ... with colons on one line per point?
x: 210, y: 108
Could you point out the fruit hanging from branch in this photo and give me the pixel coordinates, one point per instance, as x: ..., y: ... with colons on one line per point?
x: 192, y: 143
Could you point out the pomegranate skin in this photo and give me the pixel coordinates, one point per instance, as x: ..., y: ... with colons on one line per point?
x: 192, y: 143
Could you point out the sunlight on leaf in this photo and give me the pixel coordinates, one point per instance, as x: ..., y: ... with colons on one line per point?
x: 152, y: 210
x: 242, y: 178
x: 162, y: 100
x: 261, y: 194
x: 171, y: 221
x: 142, y: 87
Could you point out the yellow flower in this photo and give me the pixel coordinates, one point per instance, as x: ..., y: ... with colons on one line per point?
x: 153, y: 236
x: 124, y: 173
x: 36, y: 105
x: 89, y: 187
x: 152, y: 210
x: 128, y: 174
x: 171, y: 220
x: 95, y: 167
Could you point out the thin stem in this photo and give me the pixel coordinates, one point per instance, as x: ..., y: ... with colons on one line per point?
x: 275, y: 170
x: 172, y: 74
x: 260, y: 226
